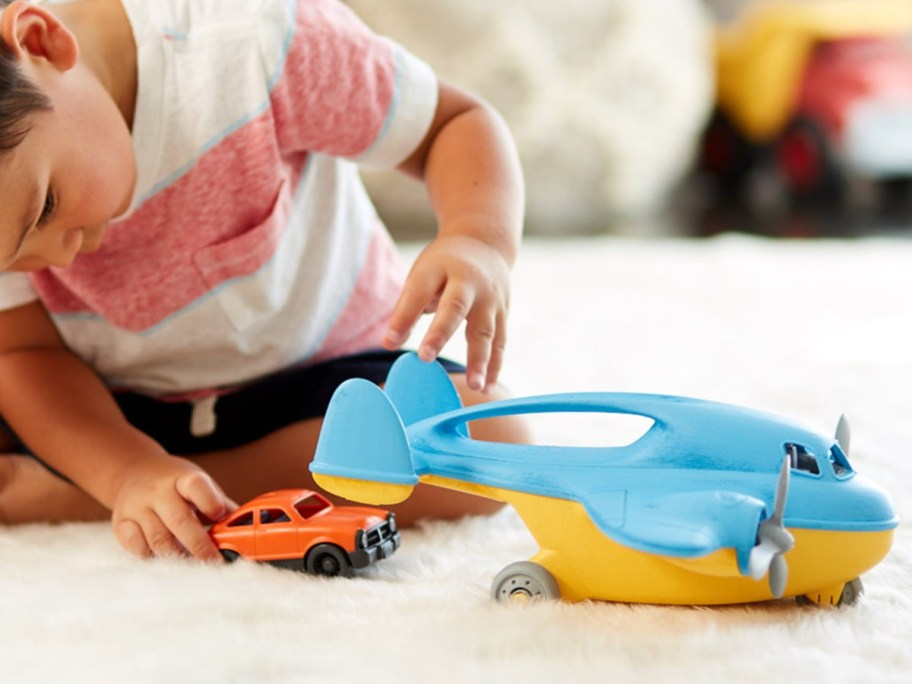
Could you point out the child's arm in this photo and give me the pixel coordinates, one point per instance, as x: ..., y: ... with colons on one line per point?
x: 471, y: 169
x: 67, y: 416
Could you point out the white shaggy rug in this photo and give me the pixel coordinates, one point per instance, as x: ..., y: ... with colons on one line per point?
x: 807, y: 329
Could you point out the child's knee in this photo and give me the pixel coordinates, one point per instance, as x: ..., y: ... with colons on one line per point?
x: 507, y: 429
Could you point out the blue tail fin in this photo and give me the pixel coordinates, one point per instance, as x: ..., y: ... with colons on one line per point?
x: 363, y: 438
x: 420, y: 390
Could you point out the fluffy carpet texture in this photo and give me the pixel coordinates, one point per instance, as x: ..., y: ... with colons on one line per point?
x: 806, y: 329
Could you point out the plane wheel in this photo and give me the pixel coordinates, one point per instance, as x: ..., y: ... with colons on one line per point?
x: 851, y: 592
x: 523, y: 582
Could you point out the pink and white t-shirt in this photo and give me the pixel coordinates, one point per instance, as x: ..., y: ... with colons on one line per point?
x: 250, y: 244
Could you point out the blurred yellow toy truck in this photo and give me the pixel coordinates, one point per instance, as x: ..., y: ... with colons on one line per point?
x: 821, y: 90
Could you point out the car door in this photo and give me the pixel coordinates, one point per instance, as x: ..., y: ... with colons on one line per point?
x: 276, y: 534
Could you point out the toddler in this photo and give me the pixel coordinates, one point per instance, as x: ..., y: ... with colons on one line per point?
x: 190, y: 264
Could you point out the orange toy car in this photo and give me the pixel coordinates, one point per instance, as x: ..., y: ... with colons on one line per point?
x: 300, y: 529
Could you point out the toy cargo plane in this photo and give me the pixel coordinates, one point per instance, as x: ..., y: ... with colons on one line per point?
x: 708, y: 501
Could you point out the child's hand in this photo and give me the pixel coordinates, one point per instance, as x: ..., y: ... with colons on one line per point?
x: 155, y: 511
x: 457, y: 278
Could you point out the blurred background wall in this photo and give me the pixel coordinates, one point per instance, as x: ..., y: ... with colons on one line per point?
x: 613, y: 104
x: 606, y: 99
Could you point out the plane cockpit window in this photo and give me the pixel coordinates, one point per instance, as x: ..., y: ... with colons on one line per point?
x: 840, y: 463
x: 802, y: 460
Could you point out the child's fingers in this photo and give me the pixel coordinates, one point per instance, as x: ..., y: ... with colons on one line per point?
x: 455, y: 304
x: 130, y: 536
x: 481, y: 329
x: 159, y: 538
x: 181, y: 522
x: 147, y: 536
x: 498, y: 346
x: 418, y: 292
x: 198, y: 489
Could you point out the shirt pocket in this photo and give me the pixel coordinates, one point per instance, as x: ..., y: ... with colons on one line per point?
x: 235, y: 270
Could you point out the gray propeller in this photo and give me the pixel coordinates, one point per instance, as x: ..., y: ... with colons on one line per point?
x: 773, y: 540
x: 843, y: 434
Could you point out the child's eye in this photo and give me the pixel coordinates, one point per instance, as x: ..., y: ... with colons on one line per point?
x: 50, y: 203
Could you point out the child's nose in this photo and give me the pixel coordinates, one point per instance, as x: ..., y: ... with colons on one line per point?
x: 64, y: 249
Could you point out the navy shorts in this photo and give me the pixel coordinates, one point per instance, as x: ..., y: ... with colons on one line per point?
x: 255, y: 410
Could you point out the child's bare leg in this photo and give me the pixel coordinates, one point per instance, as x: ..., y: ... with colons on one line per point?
x: 281, y: 460
x: 31, y: 493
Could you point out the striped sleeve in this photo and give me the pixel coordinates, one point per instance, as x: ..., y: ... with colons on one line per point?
x: 344, y: 91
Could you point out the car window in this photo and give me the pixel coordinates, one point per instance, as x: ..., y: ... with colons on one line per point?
x: 269, y: 516
x: 311, y: 505
x: 242, y: 520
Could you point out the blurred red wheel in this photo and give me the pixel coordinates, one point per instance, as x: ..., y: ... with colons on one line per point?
x: 805, y: 160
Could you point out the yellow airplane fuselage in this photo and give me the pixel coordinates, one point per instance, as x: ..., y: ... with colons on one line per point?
x: 589, y: 565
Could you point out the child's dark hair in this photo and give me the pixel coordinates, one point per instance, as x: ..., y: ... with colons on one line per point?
x: 19, y: 99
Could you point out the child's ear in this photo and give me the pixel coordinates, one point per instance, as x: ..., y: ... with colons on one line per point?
x: 30, y: 31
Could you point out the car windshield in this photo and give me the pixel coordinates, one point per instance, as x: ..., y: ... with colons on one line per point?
x: 311, y: 505
x: 242, y: 520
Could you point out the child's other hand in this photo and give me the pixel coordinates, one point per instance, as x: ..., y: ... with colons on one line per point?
x: 157, y: 506
x: 457, y: 278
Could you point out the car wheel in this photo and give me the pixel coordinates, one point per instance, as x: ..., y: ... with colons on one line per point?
x: 523, y: 582
x: 229, y: 556
x: 806, y: 162
x: 327, y: 560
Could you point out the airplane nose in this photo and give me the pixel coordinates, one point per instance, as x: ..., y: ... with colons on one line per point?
x: 871, y: 505
x: 854, y: 504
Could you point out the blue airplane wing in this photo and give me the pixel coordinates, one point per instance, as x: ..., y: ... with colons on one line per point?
x: 683, y: 525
